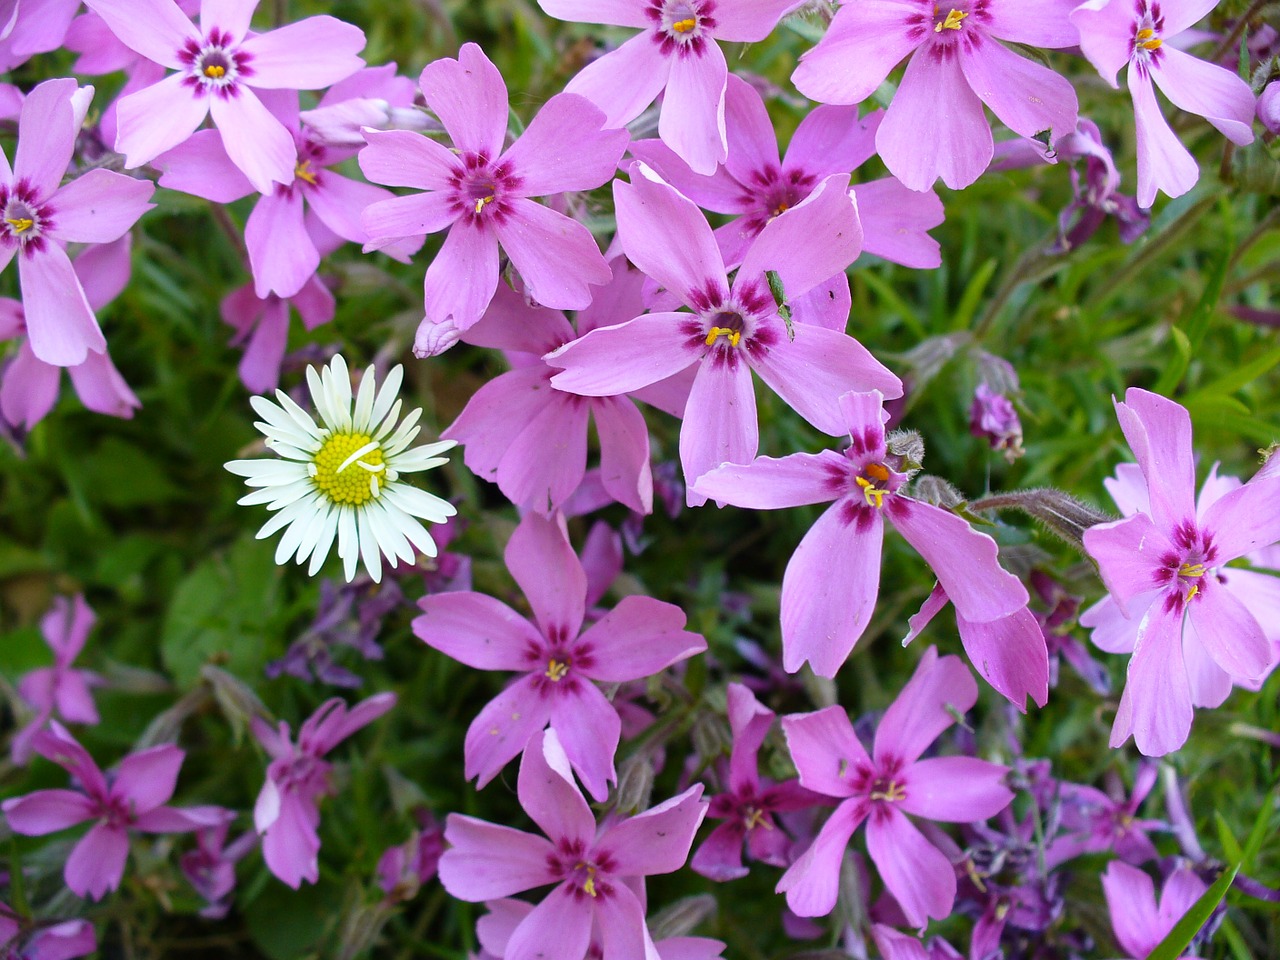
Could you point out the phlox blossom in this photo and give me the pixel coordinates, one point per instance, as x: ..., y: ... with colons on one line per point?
x: 1140, y: 924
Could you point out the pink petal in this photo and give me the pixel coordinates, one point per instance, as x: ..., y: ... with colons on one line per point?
x: 543, y: 563
x: 719, y: 857
x: 411, y: 216
x: 857, y: 52
x: 549, y: 795
x: 1182, y: 14
x: 589, y: 728
x: 29, y: 388
x: 47, y: 811
x: 66, y: 627
x: 159, y: 118
x: 402, y: 158
x: 749, y: 21
x: 833, y: 139
x: 813, y: 882
x: 74, y: 699
x: 200, y: 166
x: 157, y: 29
x: 556, y: 256
x: 502, y: 729
x: 773, y: 484
x: 624, y: 452
x: 752, y: 144
x: 900, y: 946
x: 146, y: 780
x: 339, y: 203
x: 1131, y: 898
x: 475, y: 629
x: 829, y: 588
x: 470, y: 98
x: 1105, y: 28
x: 290, y: 844
x: 1047, y: 24
x: 1159, y: 433
x: 305, y: 55
x: 494, y: 929
x: 965, y: 561
x: 1245, y: 520
x: 61, y: 326
x: 1011, y: 655
x: 1229, y: 632
x: 461, y: 279
x: 667, y: 236
x: 895, y: 222
x: 56, y: 744
x: 638, y: 638
x: 281, y: 253
x: 229, y: 16
x: 825, y: 750
x: 1128, y: 553
x: 46, y: 137
x: 658, y: 840
x: 511, y: 323
x: 1156, y: 704
x: 96, y: 863
x: 1164, y: 164
x: 1128, y: 488
x: 827, y: 305
x: 618, y: 13
x: 959, y: 146
x: 560, y: 925
x: 805, y: 245
x: 255, y: 140
x: 1029, y: 97
x: 749, y: 722
x: 624, y: 81
x: 545, y: 462
x: 1210, y: 684
x: 720, y: 421
x: 955, y: 789
x: 324, y: 730
x: 812, y: 371
x: 494, y: 418
x: 692, y: 121
x: 941, y: 688
x: 1181, y: 890
x: 564, y: 148
x: 917, y: 873
x: 719, y: 192
x: 613, y: 360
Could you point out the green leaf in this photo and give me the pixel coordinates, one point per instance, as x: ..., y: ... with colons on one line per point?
x: 1175, y: 944
x: 1177, y: 366
x: 968, y: 305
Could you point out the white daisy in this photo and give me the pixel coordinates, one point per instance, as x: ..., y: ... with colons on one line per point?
x: 342, y: 479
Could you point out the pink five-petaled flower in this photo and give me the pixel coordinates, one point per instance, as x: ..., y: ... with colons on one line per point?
x: 636, y: 639
x: 133, y: 799
x: 38, y: 217
x: 734, y: 328
x: 749, y: 804
x: 885, y: 785
x: 286, y: 814
x: 1138, y: 922
x: 935, y: 125
x: 830, y: 585
x: 1164, y: 564
x: 59, y: 689
x: 481, y: 194
x: 599, y: 876
x: 1138, y: 33
x: 218, y: 66
x: 677, y: 52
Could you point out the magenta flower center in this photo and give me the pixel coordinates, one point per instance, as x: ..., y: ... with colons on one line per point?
x: 947, y: 25
x: 1144, y: 46
x: 681, y: 27
x: 887, y: 790
x: 586, y: 871
x: 482, y: 191
x: 25, y: 220
x: 1183, y: 570
x: 771, y: 194
x: 725, y: 325
x: 215, y: 66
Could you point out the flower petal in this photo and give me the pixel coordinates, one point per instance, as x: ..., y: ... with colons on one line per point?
x: 589, y: 729
x: 692, y: 120
x: 1156, y: 703
x: 543, y: 563
x: 773, y: 484
x: 825, y: 750
x: 96, y: 863
x: 157, y: 29
x: 556, y: 256
x: 720, y: 421
x: 470, y: 98
x: 550, y: 796
x: 955, y: 789
x: 638, y: 638
x: 307, y: 54
x: 657, y: 840
x: 917, y: 873
x: 402, y: 158
x: 864, y: 42
x: 559, y: 926
x: 61, y: 327
x: 502, y: 729
x: 812, y: 883
x: 941, y: 689
x: 624, y: 81
x: 158, y: 118
x: 255, y: 140
x: 565, y: 148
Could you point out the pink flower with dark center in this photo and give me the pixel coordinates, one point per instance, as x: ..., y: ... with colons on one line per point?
x: 219, y: 65
x: 881, y: 787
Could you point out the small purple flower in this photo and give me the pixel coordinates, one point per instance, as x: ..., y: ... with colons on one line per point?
x: 404, y: 868
x: 993, y: 417
x: 132, y: 799
x: 211, y: 867
x: 1095, y: 822
x: 21, y: 940
x: 286, y: 813
x: 883, y: 786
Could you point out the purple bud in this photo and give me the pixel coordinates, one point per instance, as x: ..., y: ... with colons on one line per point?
x: 1269, y: 106
x: 993, y: 416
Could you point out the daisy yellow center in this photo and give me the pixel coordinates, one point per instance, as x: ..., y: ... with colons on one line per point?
x: 953, y: 21
x: 345, y: 479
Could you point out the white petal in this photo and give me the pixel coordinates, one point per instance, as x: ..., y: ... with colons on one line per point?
x: 324, y: 543
x: 364, y: 402
x: 419, y: 503
x: 348, y: 542
x: 387, y: 395
x: 369, y: 549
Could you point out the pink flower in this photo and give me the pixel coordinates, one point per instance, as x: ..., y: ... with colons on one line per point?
x: 677, y: 52
x: 830, y: 585
x: 133, y: 799
x: 262, y: 327
x: 40, y: 216
x: 880, y: 788
x: 935, y: 126
x: 375, y: 97
x: 1165, y: 567
x: 59, y: 690
x: 219, y: 65
x: 599, y: 875
x: 211, y: 867
x: 286, y: 813
x: 33, y: 26
x: 734, y: 327
x: 1142, y: 34
x: 59, y: 941
x: 481, y: 194
x: 1139, y: 923
x: 638, y: 638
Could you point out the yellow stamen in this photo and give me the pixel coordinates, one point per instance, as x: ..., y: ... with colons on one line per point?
x: 303, y: 171
x: 589, y: 885
x: 556, y: 670
x: 1191, y: 570
x: 1192, y: 592
x: 892, y: 793
x: 733, y: 336
x: 215, y: 72
x: 684, y: 26
x: 952, y: 22
x: 20, y: 224
x: 482, y: 201
x: 1147, y: 39
x: 755, y: 818
x: 873, y: 495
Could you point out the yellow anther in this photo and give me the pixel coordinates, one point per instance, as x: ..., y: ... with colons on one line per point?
x: 1146, y: 33
x: 1147, y: 39
x: 20, y: 224
x: 215, y: 71
x: 1191, y: 570
x: 556, y: 670
x: 892, y: 793
x: 589, y: 885
x: 303, y: 171
x: 952, y: 22
x: 873, y: 495
x: 1192, y: 592
x: 733, y: 336
x: 482, y: 201
x: 333, y: 475
x: 684, y: 26
x: 877, y: 471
